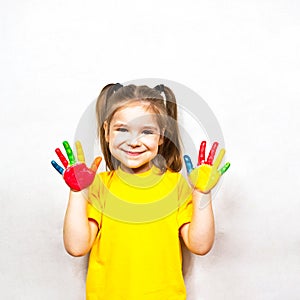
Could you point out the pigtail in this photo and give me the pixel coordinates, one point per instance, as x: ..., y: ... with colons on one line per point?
x: 101, y: 111
x: 171, y: 148
x: 101, y: 106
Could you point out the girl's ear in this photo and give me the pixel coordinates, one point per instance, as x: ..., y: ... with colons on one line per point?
x: 161, y: 137
x: 106, y: 130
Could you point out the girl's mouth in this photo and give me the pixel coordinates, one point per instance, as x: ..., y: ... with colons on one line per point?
x: 133, y: 153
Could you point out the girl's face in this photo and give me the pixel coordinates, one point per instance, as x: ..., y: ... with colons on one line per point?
x: 133, y: 136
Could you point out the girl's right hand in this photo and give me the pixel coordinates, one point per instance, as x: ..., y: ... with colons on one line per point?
x: 76, y: 174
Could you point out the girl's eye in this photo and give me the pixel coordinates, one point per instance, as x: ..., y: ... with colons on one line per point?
x: 122, y: 129
x: 147, y: 131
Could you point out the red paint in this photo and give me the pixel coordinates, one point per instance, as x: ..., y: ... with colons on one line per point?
x: 62, y: 157
x: 79, y: 176
x: 201, y: 156
x: 212, y: 153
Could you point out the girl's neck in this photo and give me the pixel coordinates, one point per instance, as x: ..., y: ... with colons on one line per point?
x: 140, y: 170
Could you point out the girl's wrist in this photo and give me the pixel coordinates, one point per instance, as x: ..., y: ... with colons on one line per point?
x: 200, y: 199
x: 200, y: 193
x: 78, y: 195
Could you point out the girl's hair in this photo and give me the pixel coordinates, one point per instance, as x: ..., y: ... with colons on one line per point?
x: 115, y: 96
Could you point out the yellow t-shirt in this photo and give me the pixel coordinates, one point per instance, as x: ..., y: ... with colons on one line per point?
x: 137, y: 253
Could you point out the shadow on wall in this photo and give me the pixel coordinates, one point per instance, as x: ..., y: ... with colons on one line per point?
x: 187, y: 258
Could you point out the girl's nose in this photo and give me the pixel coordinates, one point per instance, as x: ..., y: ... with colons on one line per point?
x: 134, y: 141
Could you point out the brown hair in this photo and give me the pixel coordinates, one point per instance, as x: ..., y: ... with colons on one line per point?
x: 114, y: 96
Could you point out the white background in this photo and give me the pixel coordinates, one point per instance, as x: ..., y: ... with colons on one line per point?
x: 241, y: 57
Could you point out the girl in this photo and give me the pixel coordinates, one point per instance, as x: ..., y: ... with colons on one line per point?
x: 131, y: 218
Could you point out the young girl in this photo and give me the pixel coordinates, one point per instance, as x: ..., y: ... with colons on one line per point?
x: 131, y: 218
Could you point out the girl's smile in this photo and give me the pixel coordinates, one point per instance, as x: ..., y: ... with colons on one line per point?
x: 134, y: 137
x: 130, y: 153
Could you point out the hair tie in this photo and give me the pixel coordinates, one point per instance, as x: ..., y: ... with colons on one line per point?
x: 113, y: 89
x: 160, y: 88
x: 116, y: 87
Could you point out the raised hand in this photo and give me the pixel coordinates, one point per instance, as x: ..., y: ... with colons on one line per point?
x: 206, y: 175
x: 76, y: 174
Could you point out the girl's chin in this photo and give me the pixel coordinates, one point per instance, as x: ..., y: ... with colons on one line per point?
x: 136, y: 169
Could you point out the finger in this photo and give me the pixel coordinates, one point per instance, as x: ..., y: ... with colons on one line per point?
x: 79, y: 150
x: 224, y: 168
x: 96, y: 163
x: 219, y: 159
x: 57, y: 167
x: 212, y: 153
x: 188, y: 163
x: 61, y: 157
x: 201, y: 155
x: 69, y: 153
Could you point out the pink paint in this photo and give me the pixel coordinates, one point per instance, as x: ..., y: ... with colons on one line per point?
x: 79, y: 176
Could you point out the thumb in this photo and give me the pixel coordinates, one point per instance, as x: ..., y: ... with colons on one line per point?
x: 188, y: 163
x: 96, y: 163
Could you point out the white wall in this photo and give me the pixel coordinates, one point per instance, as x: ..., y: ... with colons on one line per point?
x: 242, y: 57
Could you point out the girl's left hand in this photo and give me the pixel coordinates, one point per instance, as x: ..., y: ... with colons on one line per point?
x: 206, y: 175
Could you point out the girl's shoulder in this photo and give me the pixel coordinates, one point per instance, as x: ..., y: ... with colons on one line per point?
x: 105, y: 176
x: 175, y: 175
x: 168, y: 175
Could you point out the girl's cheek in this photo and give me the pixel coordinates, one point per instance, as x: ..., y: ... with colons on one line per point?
x: 119, y: 137
x: 150, y: 142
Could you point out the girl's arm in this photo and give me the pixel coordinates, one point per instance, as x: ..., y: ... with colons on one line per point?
x: 199, y: 235
x: 79, y: 232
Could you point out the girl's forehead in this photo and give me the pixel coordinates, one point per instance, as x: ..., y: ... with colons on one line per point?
x: 135, y: 111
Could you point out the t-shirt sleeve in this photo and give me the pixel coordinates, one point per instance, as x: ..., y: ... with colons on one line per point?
x: 185, y: 210
x: 94, y: 214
